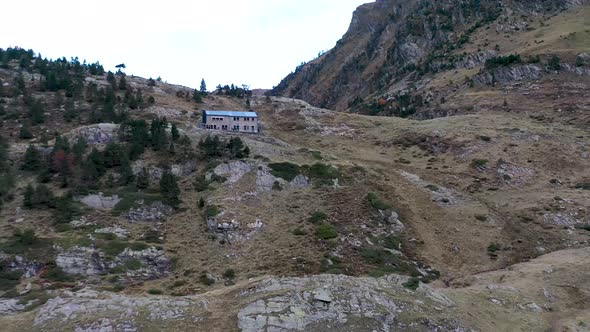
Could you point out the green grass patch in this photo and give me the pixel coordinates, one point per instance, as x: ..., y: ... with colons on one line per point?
x: 412, y: 283
x: 392, y: 242
x: 286, y: 170
x: 229, y: 274
x: 382, y: 271
x: 322, y: 174
x: 317, y: 217
x: 73, y: 241
x: 129, y: 200
x: 212, y: 211
x: 55, y: 273
x: 152, y: 236
x: 299, y: 232
x: 134, y: 264
x: 493, y: 247
x: 317, y: 155
x: 28, y: 245
x: 115, y: 247
x: 376, y: 202
x: 155, y: 291
x: 326, y: 231
x: 479, y: 162
x: 112, y: 248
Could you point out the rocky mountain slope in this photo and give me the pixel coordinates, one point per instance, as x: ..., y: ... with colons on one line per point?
x: 430, y: 57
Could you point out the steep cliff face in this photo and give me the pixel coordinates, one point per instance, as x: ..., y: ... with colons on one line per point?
x: 390, y: 41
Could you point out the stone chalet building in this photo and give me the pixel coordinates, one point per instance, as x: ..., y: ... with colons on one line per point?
x: 243, y: 122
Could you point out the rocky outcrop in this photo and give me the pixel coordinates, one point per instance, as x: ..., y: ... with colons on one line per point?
x: 153, y: 263
x: 12, y: 306
x: 82, y: 260
x: 233, y: 171
x: 233, y: 231
x: 155, y: 172
x: 28, y: 268
x: 100, y: 202
x: 505, y: 75
x: 113, y: 312
x: 265, y: 181
x: 345, y: 304
x: 102, y: 133
x: 147, y: 264
x: 156, y: 211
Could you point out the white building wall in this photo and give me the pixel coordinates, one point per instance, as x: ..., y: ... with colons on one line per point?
x: 240, y: 124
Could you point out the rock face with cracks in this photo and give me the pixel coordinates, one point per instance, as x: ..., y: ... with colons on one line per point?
x: 335, y: 302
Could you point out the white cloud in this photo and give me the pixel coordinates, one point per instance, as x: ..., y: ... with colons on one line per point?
x: 255, y: 42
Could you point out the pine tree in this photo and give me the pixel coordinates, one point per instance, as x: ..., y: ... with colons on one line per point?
x: 78, y: 149
x: 4, y: 166
x: 70, y: 111
x: 126, y: 172
x: 111, y: 79
x: 28, y: 196
x: 158, y: 134
x: 113, y: 155
x: 169, y: 188
x: 203, y: 88
x: 32, y: 159
x: 143, y: 179
x: 94, y: 167
x: 25, y: 132
x: 174, y: 132
x: 197, y: 97
x: 36, y: 112
x: 123, y: 83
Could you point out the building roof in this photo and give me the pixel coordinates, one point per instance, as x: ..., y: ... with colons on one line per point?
x: 232, y: 113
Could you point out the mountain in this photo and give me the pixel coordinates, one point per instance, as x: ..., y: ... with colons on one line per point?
x: 402, y: 57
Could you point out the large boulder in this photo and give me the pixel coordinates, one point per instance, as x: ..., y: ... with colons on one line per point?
x: 101, y: 133
x: 100, y: 202
x: 233, y: 170
x: 342, y: 303
x: 81, y: 260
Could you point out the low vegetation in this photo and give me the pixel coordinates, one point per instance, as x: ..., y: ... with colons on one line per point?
x: 376, y: 202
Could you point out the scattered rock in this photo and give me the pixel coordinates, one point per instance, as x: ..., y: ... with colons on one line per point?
x: 392, y: 218
x: 100, y: 202
x: 82, y: 222
x: 29, y: 269
x: 156, y: 211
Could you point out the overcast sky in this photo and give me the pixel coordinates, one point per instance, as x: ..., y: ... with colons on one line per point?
x: 254, y: 42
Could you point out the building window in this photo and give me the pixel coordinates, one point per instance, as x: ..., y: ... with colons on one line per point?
x: 224, y: 127
x: 245, y: 127
x: 252, y: 128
